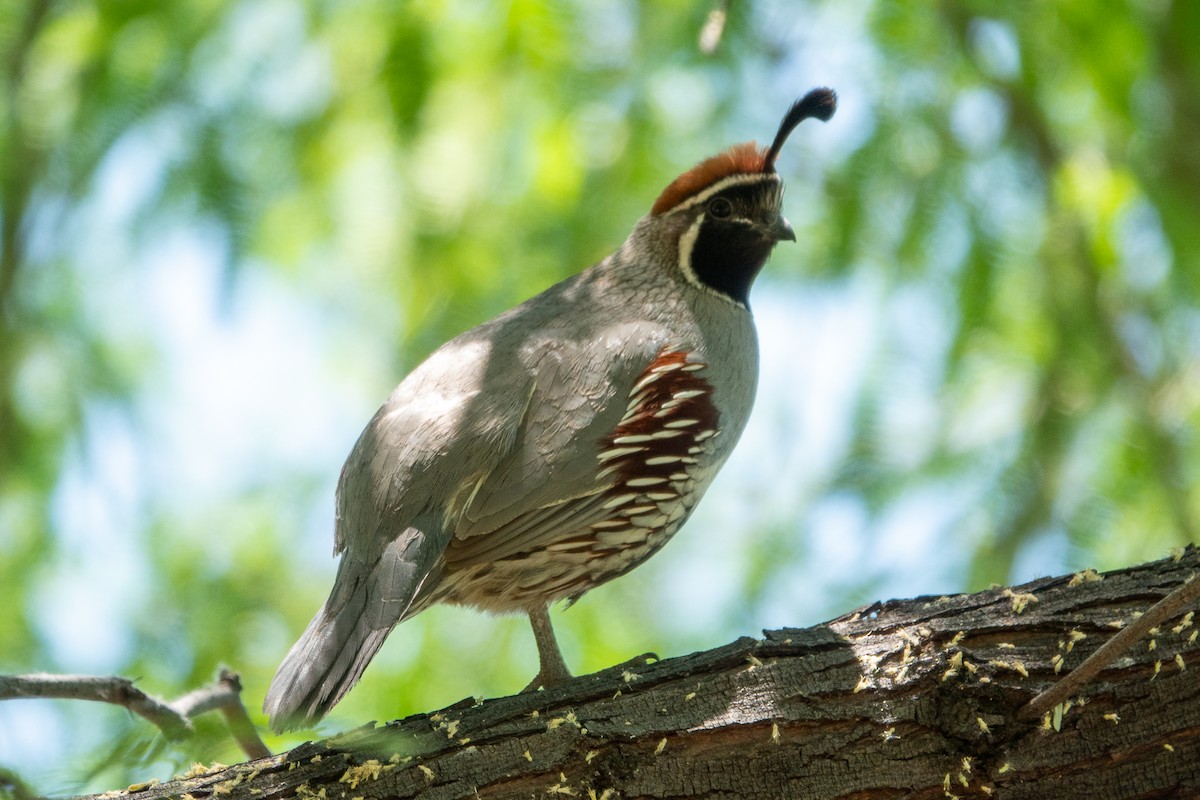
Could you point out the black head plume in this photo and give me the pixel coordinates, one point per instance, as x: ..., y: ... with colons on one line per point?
x: 819, y: 103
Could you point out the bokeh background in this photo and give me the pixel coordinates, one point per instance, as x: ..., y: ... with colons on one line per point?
x: 227, y: 229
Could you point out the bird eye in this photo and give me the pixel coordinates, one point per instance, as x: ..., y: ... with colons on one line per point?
x: 719, y: 207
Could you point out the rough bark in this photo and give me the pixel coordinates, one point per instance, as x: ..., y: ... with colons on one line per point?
x: 905, y: 699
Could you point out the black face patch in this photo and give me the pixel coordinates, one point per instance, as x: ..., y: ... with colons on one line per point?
x: 728, y: 256
x: 735, y: 238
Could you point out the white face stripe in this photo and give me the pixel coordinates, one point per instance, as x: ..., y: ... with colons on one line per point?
x: 687, y: 241
x: 722, y: 185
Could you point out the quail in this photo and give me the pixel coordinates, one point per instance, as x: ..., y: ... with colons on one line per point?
x: 562, y: 443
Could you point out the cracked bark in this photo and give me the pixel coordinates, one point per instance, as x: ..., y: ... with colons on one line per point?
x: 915, y: 699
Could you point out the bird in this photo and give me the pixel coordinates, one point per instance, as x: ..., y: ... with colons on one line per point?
x: 560, y: 444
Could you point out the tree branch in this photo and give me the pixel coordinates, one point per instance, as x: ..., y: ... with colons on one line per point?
x: 918, y: 698
x: 173, y: 719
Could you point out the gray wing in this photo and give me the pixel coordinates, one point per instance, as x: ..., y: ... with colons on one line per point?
x: 546, y: 485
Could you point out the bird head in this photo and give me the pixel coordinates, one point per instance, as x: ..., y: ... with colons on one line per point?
x: 727, y: 209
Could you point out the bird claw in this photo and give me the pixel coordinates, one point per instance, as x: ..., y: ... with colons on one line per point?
x: 552, y: 678
x: 637, y: 661
x: 547, y: 679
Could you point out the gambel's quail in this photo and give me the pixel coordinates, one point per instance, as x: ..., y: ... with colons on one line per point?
x: 562, y: 443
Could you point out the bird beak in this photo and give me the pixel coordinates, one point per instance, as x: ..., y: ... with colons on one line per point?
x: 782, y: 229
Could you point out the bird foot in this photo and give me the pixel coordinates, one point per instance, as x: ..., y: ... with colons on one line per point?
x: 548, y: 679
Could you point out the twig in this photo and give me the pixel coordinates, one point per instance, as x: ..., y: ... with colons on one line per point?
x: 225, y: 695
x: 1070, y: 683
x: 173, y: 719
x: 118, y: 691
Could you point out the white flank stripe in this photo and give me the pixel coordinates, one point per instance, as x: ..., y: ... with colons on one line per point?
x: 619, y: 500
x: 634, y: 510
x: 644, y: 383
x: 633, y: 438
x: 637, y: 483
x: 617, y: 452
x: 635, y: 400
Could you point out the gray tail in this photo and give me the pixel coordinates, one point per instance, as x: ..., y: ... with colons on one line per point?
x: 364, y: 606
x: 324, y: 665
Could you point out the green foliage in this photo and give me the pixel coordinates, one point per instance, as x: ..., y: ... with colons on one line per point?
x: 1003, y: 215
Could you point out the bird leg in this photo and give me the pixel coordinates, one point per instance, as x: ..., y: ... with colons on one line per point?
x: 553, y: 669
